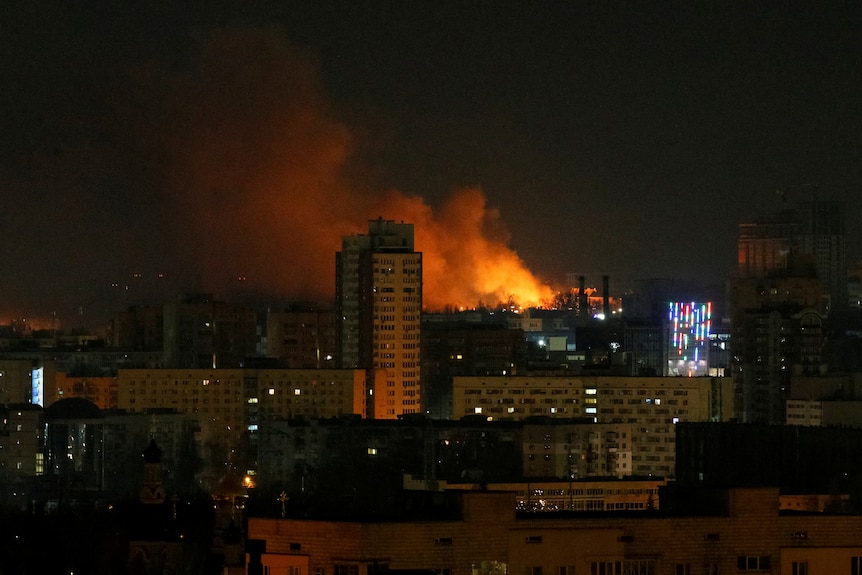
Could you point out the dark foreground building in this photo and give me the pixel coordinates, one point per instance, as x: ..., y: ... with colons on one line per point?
x: 743, y: 532
x: 795, y: 459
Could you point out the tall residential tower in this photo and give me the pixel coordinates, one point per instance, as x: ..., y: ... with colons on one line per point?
x: 812, y: 230
x: 379, y: 304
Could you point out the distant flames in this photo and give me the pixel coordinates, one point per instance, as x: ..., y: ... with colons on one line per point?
x: 231, y: 175
x: 238, y: 179
x: 466, y: 259
x: 261, y: 192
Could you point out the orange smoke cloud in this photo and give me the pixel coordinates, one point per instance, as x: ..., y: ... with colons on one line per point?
x: 253, y: 170
x: 466, y: 258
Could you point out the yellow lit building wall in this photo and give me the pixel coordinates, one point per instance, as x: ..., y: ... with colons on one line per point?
x: 103, y: 391
x: 650, y: 405
x: 397, y: 301
x: 227, y: 401
x: 323, y: 393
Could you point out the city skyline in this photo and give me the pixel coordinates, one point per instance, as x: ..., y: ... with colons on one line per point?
x: 230, y: 148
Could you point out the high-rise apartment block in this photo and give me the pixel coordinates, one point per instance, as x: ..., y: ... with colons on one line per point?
x: 454, y: 347
x: 202, y: 333
x: 811, y: 230
x: 777, y: 332
x: 764, y: 245
x: 303, y: 339
x: 822, y: 236
x: 379, y: 304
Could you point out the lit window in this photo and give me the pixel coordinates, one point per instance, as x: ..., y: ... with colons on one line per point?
x: 297, y: 391
x: 589, y: 410
x: 590, y: 391
x: 477, y: 410
x: 271, y: 391
x: 252, y: 400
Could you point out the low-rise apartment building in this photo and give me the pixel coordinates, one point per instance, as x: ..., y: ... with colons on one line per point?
x: 646, y: 407
x: 230, y: 403
x: 744, y: 533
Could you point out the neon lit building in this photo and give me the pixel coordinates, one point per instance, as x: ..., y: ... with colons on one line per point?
x: 688, y: 328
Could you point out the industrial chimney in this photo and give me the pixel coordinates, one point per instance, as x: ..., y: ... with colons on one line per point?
x: 583, y: 305
x: 606, y: 299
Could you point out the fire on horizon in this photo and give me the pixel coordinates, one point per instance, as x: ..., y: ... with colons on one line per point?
x: 246, y: 144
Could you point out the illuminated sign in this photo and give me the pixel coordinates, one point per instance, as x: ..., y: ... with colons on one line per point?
x: 37, y: 387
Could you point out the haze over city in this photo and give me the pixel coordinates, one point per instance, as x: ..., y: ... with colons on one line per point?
x: 152, y: 150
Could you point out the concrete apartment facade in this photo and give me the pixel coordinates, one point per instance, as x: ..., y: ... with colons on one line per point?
x: 227, y: 403
x: 747, y: 534
x: 645, y: 407
x: 379, y: 308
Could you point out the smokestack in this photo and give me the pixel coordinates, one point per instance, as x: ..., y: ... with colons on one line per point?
x: 583, y: 310
x: 606, y: 300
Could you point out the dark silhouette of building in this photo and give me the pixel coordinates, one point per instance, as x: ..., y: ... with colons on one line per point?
x: 203, y: 333
x: 301, y: 339
x: 812, y: 228
x: 454, y: 346
x: 777, y: 330
x: 796, y: 459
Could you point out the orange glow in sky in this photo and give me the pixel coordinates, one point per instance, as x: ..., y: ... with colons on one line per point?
x: 255, y: 176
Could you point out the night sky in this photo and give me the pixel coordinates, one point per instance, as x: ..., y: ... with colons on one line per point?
x: 227, y: 148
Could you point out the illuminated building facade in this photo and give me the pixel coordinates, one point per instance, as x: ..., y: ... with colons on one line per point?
x: 100, y: 390
x: 688, y: 327
x: 379, y: 305
x: 230, y: 404
x: 650, y: 405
